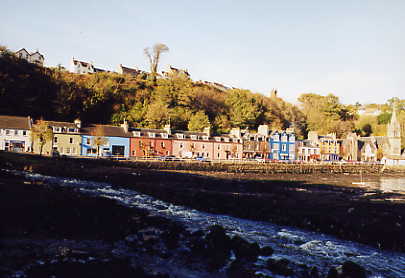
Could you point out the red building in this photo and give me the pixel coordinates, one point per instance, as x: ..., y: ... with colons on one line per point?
x: 150, y: 142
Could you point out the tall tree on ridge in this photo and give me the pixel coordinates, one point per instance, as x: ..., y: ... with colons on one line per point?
x: 154, y: 57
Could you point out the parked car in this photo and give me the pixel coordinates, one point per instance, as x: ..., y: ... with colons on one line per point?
x: 202, y: 159
x: 169, y: 158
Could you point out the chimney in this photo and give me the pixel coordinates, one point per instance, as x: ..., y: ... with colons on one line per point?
x: 263, y: 130
x: 207, y: 130
x: 125, y: 126
x: 236, y: 132
x: 168, y: 129
x: 78, y: 123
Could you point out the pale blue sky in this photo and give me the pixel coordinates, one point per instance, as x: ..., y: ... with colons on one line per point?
x: 354, y: 49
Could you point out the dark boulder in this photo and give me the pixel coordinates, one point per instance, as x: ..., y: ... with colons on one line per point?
x: 352, y: 270
x: 266, y: 251
x: 280, y: 266
x: 245, y: 250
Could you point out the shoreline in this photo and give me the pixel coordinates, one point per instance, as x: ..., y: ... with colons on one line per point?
x: 324, y: 203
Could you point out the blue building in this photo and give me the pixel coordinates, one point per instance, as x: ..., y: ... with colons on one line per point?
x: 116, y: 141
x: 282, y: 145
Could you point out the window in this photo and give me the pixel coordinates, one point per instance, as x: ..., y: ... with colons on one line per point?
x: 219, y: 147
x: 88, y: 141
x: 15, y: 132
x: 137, y: 133
x: 55, y: 139
x: 68, y: 150
x: 70, y: 140
x: 180, y: 136
x: 24, y: 133
x: 71, y: 130
x: 151, y: 134
x: 205, y: 137
x: 162, y: 144
x: 118, y: 150
x: 7, y: 132
x: 283, y: 147
x: 164, y: 135
x: 181, y: 145
x: 203, y: 146
x: 193, y: 137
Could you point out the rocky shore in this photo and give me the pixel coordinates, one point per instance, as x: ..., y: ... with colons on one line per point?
x: 60, y: 233
x: 55, y: 231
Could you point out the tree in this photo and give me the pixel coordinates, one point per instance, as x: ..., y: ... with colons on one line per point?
x: 198, y: 121
x: 154, y: 57
x: 41, y: 133
x: 99, y: 138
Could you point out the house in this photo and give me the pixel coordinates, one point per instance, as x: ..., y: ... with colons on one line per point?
x: 81, y: 67
x: 106, y: 141
x: 129, y: 71
x: 227, y: 147
x: 150, y: 142
x: 255, y: 144
x: 175, y: 71
x: 188, y: 144
x: 34, y: 57
x: 307, y: 151
x: 328, y: 144
x: 282, y: 145
x: 65, y: 140
x: 15, y: 133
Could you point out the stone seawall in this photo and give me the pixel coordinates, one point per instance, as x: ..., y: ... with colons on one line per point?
x: 267, y: 168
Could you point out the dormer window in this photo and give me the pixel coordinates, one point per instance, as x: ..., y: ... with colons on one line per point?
x: 136, y: 133
x: 164, y: 135
x: 226, y: 139
x: 151, y: 134
x: 218, y: 139
x: 205, y: 137
x: 193, y: 137
x: 180, y: 136
x: 71, y: 130
x: 235, y: 140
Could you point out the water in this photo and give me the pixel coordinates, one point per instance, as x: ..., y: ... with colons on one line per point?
x: 296, y: 245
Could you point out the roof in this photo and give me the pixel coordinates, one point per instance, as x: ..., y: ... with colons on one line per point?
x: 144, y: 130
x: 106, y: 130
x: 15, y: 122
x: 21, y: 50
x: 83, y: 64
x: 126, y: 70
x: 61, y: 124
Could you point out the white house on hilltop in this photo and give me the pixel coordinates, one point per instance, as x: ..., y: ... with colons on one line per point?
x: 34, y: 57
x: 80, y: 67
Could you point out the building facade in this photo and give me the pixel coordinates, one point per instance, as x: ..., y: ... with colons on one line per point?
x: 34, y: 57
x: 282, y: 145
x: 15, y: 134
x: 106, y: 141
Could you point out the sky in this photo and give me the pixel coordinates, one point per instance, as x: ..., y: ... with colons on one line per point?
x: 353, y: 49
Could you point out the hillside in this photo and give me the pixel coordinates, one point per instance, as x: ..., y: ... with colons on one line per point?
x: 109, y: 98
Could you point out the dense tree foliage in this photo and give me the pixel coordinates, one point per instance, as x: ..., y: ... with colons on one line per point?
x: 326, y: 114
x: 110, y: 98
x: 54, y: 94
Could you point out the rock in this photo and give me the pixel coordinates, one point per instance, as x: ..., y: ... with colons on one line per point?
x: 353, y: 270
x: 279, y: 266
x: 218, y: 247
x: 239, y: 269
x: 314, y: 273
x: 266, y: 251
x: 245, y: 250
x: 333, y: 273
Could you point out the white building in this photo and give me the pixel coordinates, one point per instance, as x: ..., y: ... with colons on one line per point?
x: 81, y: 67
x: 34, y: 57
x: 15, y: 134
